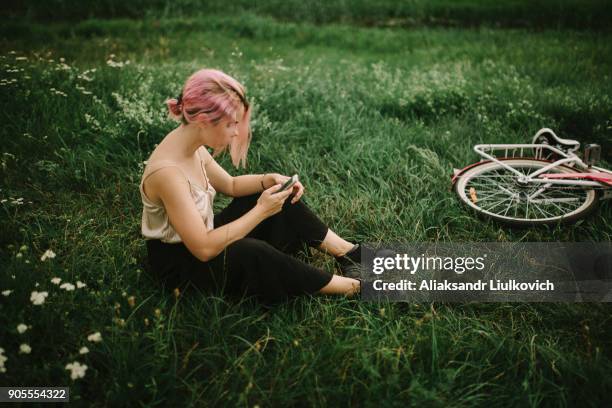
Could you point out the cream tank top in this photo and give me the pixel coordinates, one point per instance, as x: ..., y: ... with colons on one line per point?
x: 155, y: 222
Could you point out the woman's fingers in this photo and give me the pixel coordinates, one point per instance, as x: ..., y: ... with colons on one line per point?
x: 284, y: 194
x: 298, y: 189
x: 273, y: 189
x: 279, y: 178
x: 295, y: 198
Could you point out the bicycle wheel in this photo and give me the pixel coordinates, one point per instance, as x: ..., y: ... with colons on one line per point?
x: 494, y: 191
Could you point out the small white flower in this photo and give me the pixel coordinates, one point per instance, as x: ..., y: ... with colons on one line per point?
x: 49, y: 254
x: 3, y: 359
x: 77, y: 370
x: 67, y: 285
x: 80, y: 284
x: 25, y: 349
x: 56, y: 281
x: 95, y: 337
x: 19, y: 255
x: 6, y: 292
x: 23, y: 248
x: 83, y: 350
x: 21, y: 328
x: 38, y: 298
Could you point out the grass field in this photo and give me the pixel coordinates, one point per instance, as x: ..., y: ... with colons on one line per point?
x: 373, y: 120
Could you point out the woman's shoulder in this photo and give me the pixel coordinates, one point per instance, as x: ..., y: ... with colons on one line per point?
x: 158, y: 177
x: 159, y: 170
x: 159, y: 158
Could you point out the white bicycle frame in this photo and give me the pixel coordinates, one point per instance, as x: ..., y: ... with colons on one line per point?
x: 487, y: 151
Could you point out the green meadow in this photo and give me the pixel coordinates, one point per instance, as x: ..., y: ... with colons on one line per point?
x: 373, y: 119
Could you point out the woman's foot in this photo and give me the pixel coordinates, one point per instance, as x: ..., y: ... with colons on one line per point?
x: 350, y: 262
x: 353, y: 263
x: 334, y: 245
x: 340, y: 285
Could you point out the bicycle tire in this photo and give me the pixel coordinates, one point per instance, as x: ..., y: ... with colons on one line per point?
x: 589, y: 205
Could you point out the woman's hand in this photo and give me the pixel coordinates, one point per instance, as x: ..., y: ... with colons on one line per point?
x: 297, y: 189
x: 271, y: 203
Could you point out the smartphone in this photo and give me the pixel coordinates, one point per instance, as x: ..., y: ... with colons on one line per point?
x: 288, y: 184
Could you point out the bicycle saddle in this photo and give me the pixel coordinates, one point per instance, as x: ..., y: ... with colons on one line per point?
x: 547, y: 136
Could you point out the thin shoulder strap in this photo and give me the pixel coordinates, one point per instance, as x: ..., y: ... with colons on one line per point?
x: 155, y: 167
x: 209, y: 156
x: 202, y: 167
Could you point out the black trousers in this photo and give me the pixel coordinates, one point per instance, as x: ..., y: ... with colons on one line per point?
x: 261, y: 264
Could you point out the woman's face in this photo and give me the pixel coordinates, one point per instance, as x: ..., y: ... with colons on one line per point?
x: 228, y: 129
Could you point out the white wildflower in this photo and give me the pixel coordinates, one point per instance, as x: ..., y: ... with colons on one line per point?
x: 6, y: 292
x: 80, y: 284
x: 49, y: 254
x: 92, y: 121
x: 19, y: 255
x: 38, y: 298
x: 3, y: 359
x: 56, y: 281
x: 21, y: 328
x: 25, y: 349
x: 77, y: 370
x: 83, y: 350
x: 95, y: 337
x: 67, y: 285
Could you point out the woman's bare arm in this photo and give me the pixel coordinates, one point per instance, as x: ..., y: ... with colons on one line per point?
x: 184, y: 216
x: 237, y: 186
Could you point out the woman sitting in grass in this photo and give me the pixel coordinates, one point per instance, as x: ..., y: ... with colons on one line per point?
x: 247, y: 248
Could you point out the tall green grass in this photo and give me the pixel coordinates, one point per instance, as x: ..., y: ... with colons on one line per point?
x: 373, y: 121
x: 580, y: 14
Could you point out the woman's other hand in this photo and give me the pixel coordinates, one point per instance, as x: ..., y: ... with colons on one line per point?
x: 297, y: 190
x: 271, y: 203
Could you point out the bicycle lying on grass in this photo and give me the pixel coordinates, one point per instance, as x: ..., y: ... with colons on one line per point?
x: 544, y: 182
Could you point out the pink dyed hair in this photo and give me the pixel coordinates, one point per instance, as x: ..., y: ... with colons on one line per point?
x: 210, y: 96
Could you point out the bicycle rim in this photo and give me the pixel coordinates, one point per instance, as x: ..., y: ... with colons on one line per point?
x: 491, y: 190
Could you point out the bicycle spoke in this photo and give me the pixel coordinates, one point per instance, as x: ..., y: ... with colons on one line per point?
x: 499, y: 193
x: 498, y: 203
x: 508, y: 208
